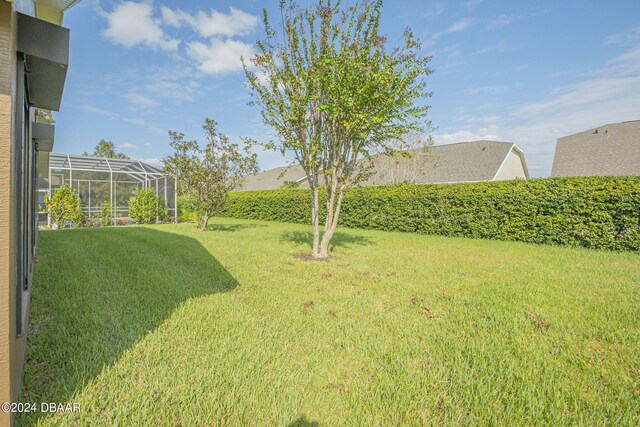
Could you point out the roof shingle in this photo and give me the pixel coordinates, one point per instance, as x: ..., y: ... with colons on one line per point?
x: 612, y: 149
x: 460, y: 162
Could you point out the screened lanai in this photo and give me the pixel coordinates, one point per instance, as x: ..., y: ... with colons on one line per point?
x: 99, y: 179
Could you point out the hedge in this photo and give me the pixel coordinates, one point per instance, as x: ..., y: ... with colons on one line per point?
x: 592, y: 212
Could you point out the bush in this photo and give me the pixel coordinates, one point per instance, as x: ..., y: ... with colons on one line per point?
x: 63, y: 206
x: 105, y: 214
x: 147, y: 208
x: 290, y: 184
x: 187, y: 209
x: 84, y: 222
x: 162, y: 211
x: 593, y: 212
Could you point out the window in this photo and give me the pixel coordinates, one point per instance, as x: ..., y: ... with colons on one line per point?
x: 24, y: 178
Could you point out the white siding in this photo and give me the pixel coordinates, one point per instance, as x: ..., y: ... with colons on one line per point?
x: 511, y: 168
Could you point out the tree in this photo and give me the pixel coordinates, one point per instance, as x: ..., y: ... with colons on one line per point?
x: 334, y: 93
x: 106, y: 149
x: 44, y: 116
x: 63, y: 205
x: 206, y: 175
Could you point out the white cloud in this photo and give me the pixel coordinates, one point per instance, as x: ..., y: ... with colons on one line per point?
x: 627, y: 63
x: 131, y: 24
x: 488, y: 133
x: 500, y: 47
x: 138, y: 23
x: 150, y: 88
x: 471, y: 3
x: 584, y: 96
x: 214, y: 23
x: 474, y: 120
x: 138, y: 99
x: 174, y: 18
x: 128, y: 145
x: 139, y: 121
x: 100, y: 111
x: 457, y: 26
x: 153, y: 161
x: 220, y: 56
x: 432, y: 10
x: 623, y: 38
x: 460, y: 25
x: 490, y: 89
x: 500, y: 21
x: 609, y: 96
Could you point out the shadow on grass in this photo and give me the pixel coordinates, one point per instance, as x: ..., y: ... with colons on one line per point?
x: 231, y: 227
x: 339, y: 239
x: 303, y: 422
x: 97, y: 292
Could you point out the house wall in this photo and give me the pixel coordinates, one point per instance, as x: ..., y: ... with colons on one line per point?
x: 12, y: 346
x: 512, y: 168
x: 18, y: 170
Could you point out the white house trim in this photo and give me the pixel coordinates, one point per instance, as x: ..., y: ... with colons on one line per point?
x: 520, y: 153
x: 503, y: 162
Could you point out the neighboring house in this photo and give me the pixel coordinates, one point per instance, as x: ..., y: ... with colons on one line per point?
x: 462, y: 162
x: 612, y: 149
x: 32, y: 39
x: 275, y: 178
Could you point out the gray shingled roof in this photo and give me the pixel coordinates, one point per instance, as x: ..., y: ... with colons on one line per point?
x: 612, y: 149
x: 274, y: 178
x: 460, y: 162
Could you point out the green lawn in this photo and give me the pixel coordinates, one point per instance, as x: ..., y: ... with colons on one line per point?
x: 165, y: 325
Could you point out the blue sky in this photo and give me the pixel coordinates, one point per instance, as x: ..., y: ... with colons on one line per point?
x: 527, y: 72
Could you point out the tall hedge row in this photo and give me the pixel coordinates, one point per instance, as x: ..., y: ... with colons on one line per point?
x: 593, y: 212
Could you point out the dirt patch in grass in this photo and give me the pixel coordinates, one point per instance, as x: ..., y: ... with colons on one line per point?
x: 537, y: 321
x: 308, y: 305
x: 371, y: 274
x: 341, y: 389
x: 423, y: 307
x: 310, y: 257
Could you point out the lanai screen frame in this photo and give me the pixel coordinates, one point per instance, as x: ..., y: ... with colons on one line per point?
x: 141, y: 174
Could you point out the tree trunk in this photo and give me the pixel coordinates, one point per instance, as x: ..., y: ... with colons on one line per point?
x: 315, y: 221
x: 204, y: 222
x: 332, y: 222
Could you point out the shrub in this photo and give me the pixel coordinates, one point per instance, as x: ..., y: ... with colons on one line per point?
x: 62, y: 206
x: 290, y: 184
x: 593, y: 212
x: 84, y: 221
x: 162, y: 211
x: 105, y: 214
x: 147, y: 208
x: 187, y: 209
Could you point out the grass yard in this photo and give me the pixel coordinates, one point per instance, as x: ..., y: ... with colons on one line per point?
x: 164, y: 325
